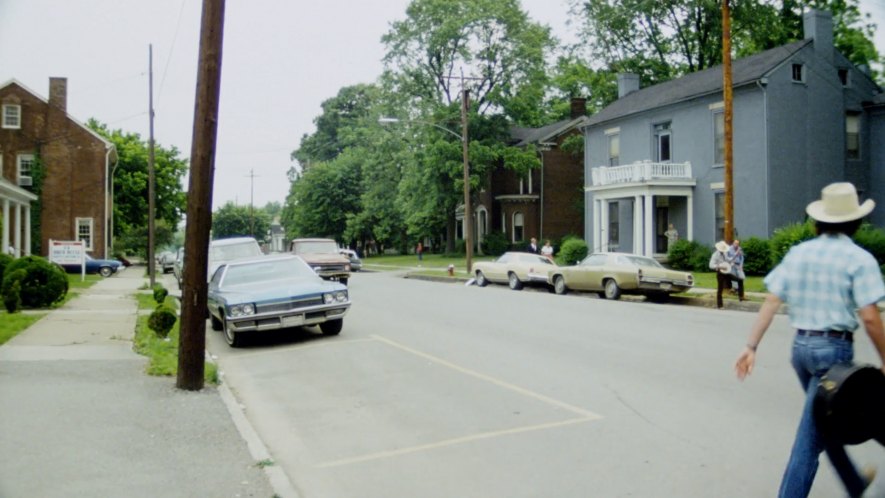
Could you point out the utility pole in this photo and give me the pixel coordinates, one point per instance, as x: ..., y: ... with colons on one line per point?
x: 150, y: 251
x: 468, y: 213
x: 729, y: 113
x: 192, y: 339
x: 251, y: 176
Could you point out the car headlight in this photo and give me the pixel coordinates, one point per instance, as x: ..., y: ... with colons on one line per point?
x: 346, y: 267
x: 335, y: 297
x: 242, y: 310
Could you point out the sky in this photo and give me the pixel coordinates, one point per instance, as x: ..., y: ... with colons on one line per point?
x: 281, y: 60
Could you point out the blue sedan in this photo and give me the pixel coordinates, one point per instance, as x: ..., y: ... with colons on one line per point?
x: 104, y: 267
x: 272, y: 292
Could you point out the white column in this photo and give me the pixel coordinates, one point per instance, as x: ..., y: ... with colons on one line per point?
x: 603, y: 225
x: 649, y: 226
x: 637, y: 224
x: 596, y: 240
x: 690, y: 228
x: 6, y: 226
x: 26, y: 250
x: 18, y: 232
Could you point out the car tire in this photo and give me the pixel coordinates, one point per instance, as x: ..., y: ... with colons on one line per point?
x: 481, y: 279
x: 559, y: 285
x: 105, y: 271
x: 514, y: 282
x: 332, y: 327
x: 216, y: 323
x: 233, y: 338
x: 612, y: 291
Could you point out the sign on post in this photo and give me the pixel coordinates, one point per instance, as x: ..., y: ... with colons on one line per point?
x: 68, y: 252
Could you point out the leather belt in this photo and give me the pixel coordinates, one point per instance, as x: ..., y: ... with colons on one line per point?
x: 835, y: 334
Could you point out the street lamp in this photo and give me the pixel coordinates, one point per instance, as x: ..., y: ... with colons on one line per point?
x: 468, y: 215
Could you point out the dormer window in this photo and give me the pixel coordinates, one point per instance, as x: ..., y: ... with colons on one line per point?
x: 798, y: 73
x: 12, y: 116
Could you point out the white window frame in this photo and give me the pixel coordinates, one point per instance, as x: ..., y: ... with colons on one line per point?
x: 717, y: 196
x: 614, y: 159
x: 852, y: 129
x: 718, y: 140
x: 19, y: 160
x: 88, y: 223
x: 12, y: 120
x: 663, y: 129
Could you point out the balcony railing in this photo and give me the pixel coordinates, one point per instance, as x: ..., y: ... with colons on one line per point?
x: 643, y: 171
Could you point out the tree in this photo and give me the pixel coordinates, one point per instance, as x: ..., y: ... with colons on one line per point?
x: 239, y: 221
x: 131, y: 187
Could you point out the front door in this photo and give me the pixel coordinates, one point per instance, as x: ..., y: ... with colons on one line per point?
x: 662, y: 219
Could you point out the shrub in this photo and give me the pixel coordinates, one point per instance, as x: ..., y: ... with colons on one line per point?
x: 495, y: 243
x: 689, y: 255
x: 43, y: 284
x: 572, y: 252
x: 160, y: 293
x: 757, y: 256
x: 162, y: 320
x: 787, y: 236
x: 5, y: 259
x: 12, y: 291
x: 873, y: 240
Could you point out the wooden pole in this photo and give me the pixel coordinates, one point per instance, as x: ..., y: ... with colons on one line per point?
x: 150, y: 249
x: 468, y: 212
x: 192, y: 339
x: 727, y: 97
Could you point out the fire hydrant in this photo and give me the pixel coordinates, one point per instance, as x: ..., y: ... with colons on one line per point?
x: 451, y: 270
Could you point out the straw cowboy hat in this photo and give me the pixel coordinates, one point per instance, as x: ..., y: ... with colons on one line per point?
x: 722, y: 246
x: 839, y: 204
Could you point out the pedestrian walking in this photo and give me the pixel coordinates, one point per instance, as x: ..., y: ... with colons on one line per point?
x: 419, y: 250
x: 720, y: 263
x: 823, y: 280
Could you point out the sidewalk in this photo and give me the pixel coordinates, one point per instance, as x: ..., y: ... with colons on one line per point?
x: 80, y: 418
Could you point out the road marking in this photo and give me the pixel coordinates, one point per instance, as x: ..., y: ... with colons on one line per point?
x: 500, y: 383
x: 298, y: 347
x: 454, y: 441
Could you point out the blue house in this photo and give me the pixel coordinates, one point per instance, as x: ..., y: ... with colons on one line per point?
x: 803, y: 118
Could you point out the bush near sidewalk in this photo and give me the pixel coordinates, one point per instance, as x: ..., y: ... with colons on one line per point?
x: 162, y: 353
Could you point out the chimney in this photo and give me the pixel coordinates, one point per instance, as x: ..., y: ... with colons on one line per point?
x: 627, y: 84
x: 579, y: 107
x: 58, y: 94
x: 818, y: 26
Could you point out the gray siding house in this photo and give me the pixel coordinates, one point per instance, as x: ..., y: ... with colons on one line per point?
x: 802, y: 119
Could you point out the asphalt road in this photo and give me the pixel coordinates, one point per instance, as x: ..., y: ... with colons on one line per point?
x: 442, y: 390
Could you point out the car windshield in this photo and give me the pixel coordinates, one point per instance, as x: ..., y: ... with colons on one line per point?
x: 640, y: 261
x: 316, y: 247
x: 265, y: 271
x: 234, y: 251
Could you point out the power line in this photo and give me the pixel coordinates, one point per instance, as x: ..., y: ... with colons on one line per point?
x: 169, y: 57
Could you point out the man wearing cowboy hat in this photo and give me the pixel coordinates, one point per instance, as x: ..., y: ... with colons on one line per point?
x: 823, y: 280
x: 722, y: 264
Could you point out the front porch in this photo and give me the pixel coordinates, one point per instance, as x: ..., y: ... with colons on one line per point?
x: 16, y: 232
x: 632, y: 206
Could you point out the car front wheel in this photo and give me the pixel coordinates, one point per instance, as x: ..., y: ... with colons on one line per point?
x: 216, y: 323
x: 515, y: 284
x: 559, y: 285
x: 230, y: 335
x: 612, y: 291
x: 481, y: 279
x: 105, y: 271
x: 332, y: 327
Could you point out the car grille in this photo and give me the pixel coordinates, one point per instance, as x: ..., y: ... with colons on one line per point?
x: 331, y: 267
x: 288, y: 305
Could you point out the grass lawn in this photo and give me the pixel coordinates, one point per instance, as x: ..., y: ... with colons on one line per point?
x: 162, y: 353
x: 12, y: 324
x: 707, y: 280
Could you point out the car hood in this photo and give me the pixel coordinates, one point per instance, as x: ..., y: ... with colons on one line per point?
x: 318, y: 257
x: 271, y: 291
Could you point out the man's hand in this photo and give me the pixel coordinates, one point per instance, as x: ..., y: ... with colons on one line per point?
x: 744, y: 364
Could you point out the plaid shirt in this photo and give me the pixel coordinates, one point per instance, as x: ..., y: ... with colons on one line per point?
x: 824, y: 280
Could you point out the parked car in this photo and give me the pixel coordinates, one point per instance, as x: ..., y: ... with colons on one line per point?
x: 612, y: 274
x: 356, y: 264
x: 273, y: 292
x: 515, y: 269
x: 223, y: 250
x: 166, y: 261
x: 323, y: 256
x: 104, y: 267
x: 178, y: 266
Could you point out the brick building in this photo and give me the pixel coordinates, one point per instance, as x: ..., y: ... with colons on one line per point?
x: 75, y: 194
x: 545, y: 204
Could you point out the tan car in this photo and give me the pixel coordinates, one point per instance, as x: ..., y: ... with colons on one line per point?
x: 611, y: 274
x: 514, y: 269
x: 324, y: 256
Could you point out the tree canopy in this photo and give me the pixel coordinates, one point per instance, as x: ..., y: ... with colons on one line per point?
x: 232, y: 220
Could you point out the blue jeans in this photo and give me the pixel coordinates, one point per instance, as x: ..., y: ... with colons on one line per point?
x: 812, y: 357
